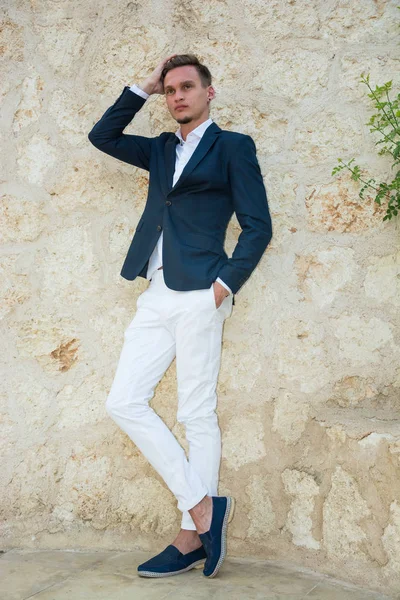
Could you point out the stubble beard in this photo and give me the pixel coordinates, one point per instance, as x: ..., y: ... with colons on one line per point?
x: 184, y: 120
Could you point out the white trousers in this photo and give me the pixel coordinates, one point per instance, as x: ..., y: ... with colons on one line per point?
x: 188, y: 326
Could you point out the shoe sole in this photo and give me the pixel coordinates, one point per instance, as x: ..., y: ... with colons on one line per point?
x: 196, y: 565
x: 230, y: 509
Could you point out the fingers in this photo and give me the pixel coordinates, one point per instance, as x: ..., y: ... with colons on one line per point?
x: 169, y: 57
x: 164, y: 61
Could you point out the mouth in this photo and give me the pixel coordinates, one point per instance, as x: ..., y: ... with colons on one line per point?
x: 180, y: 107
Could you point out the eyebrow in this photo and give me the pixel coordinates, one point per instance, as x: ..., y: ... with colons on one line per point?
x: 182, y: 83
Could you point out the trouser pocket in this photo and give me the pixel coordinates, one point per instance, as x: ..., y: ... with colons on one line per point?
x: 213, y: 298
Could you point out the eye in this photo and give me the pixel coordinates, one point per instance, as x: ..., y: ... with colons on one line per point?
x: 185, y: 86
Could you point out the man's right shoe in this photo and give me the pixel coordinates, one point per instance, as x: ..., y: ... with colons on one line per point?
x: 171, y: 561
x: 214, y: 540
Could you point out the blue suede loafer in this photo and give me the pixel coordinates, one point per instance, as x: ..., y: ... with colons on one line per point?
x: 171, y: 561
x: 214, y: 540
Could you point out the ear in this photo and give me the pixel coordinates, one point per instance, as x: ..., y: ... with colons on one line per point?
x: 211, y: 93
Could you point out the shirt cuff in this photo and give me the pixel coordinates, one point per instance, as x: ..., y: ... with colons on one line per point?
x: 137, y: 90
x: 224, y: 284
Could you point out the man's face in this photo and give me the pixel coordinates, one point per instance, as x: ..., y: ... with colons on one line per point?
x: 182, y: 85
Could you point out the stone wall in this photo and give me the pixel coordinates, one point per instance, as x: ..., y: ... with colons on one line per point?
x: 309, y: 387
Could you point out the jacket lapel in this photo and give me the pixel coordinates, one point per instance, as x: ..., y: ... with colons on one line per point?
x: 207, y: 140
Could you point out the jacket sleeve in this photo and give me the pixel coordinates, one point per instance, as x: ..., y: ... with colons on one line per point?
x: 251, y: 208
x: 106, y: 135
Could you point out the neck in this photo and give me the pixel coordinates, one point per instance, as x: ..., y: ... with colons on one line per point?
x: 186, y: 128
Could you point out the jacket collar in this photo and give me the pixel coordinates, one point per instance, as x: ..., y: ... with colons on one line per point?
x: 195, y: 133
x: 207, y: 140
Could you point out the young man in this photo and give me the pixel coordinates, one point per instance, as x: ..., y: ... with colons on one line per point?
x: 199, y: 176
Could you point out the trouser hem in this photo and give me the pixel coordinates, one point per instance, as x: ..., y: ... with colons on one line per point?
x: 192, y: 504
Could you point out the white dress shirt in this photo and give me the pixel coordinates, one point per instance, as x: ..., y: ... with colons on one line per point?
x: 184, y: 151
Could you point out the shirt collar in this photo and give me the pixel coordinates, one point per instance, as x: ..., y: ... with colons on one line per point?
x: 197, y: 132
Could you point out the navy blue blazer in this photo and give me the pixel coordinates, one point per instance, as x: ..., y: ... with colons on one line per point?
x: 221, y: 177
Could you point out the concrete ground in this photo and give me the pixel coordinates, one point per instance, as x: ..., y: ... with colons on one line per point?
x: 62, y: 575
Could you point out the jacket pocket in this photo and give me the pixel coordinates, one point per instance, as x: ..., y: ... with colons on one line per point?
x: 198, y: 240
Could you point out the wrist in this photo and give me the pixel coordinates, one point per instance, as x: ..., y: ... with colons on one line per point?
x: 146, y: 87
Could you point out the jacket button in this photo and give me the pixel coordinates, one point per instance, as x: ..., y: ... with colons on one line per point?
x: 168, y: 203
x: 159, y: 227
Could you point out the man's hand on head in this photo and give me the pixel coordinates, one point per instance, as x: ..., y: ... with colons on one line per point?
x: 153, y: 84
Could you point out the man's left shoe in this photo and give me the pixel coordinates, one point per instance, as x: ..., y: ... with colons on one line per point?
x: 171, y: 561
x: 214, y: 540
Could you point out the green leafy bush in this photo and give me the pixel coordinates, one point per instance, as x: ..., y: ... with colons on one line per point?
x: 386, y: 121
